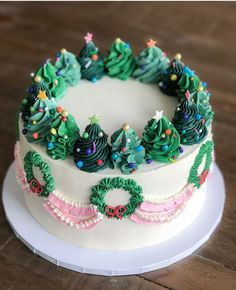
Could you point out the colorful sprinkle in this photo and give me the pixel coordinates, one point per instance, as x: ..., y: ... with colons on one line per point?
x: 131, y: 165
x: 79, y: 164
x: 50, y: 145
x: 123, y: 149
x: 181, y: 150
x: 88, y: 151
x: 168, y: 132
x: 139, y: 148
x: 114, y: 156
x: 148, y: 161
x: 164, y: 147
x: 59, y: 109
x: 35, y: 135
x: 53, y: 131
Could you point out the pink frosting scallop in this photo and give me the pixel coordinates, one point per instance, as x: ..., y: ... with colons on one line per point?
x: 170, y: 205
x: 72, y: 209
x: 88, y: 222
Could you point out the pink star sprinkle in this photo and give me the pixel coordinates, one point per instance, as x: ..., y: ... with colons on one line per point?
x: 151, y: 43
x: 187, y: 95
x: 88, y: 37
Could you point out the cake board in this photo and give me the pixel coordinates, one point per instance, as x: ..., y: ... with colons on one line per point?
x: 113, y: 263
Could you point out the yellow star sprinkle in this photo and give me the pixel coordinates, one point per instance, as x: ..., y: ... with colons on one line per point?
x: 42, y: 95
x: 94, y: 119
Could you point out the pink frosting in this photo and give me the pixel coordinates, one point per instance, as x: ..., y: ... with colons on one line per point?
x: 88, y: 222
x: 19, y: 169
x: 71, y: 209
x: 139, y: 220
x: 169, y: 206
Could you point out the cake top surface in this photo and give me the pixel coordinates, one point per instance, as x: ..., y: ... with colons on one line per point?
x: 117, y: 102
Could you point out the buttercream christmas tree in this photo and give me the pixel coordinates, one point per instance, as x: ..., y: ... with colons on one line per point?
x: 62, y: 135
x: 48, y: 74
x: 68, y: 67
x: 91, y: 151
x: 150, y: 63
x: 31, y: 98
x: 161, y: 140
x: 127, y: 153
x: 42, y: 113
x: 188, y: 82
x: 171, y: 76
x: 189, y: 122
x: 120, y: 61
x: 92, y: 65
x: 201, y: 99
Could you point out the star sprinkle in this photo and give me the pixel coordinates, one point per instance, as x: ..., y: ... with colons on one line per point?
x: 188, y: 71
x: 88, y: 37
x: 94, y: 119
x: 151, y: 43
x: 158, y: 115
x: 187, y: 95
x: 42, y: 95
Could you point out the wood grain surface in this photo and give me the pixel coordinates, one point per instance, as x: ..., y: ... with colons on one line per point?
x: 205, y: 34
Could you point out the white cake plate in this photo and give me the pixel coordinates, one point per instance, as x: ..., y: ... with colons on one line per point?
x: 113, y: 262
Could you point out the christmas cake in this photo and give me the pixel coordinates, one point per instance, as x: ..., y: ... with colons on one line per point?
x: 114, y: 149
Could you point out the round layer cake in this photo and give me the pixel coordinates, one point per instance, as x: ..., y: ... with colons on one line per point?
x: 147, y: 197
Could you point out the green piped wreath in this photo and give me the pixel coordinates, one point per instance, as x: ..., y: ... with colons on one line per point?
x: 106, y: 184
x: 31, y: 159
x: 206, y: 149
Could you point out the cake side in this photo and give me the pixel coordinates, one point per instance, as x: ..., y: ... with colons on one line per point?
x: 113, y: 234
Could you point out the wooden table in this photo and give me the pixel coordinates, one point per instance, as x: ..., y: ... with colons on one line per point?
x: 205, y: 34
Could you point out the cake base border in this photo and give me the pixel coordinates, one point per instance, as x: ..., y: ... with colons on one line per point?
x: 113, y: 263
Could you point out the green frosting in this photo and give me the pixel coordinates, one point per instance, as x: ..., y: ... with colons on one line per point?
x: 48, y: 74
x: 68, y: 67
x: 92, y: 65
x: 127, y: 153
x: 205, y: 150
x: 161, y: 140
x: 150, y: 63
x: 171, y: 76
x: 31, y: 98
x: 99, y: 191
x: 189, y: 123
x: 91, y: 151
x: 33, y: 159
x: 201, y: 99
x: 120, y: 61
x: 37, y: 125
x: 62, y: 136
x: 188, y: 82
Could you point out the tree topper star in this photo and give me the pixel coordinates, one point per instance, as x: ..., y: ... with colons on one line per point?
x: 88, y: 37
x: 42, y: 95
x: 187, y: 95
x: 158, y: 115
x: 151, y: 43
x: 94, y: 119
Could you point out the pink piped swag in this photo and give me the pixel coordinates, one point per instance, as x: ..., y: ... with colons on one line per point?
x: 20, y: 173
x: 154, y: 212
x: 83, y: 216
